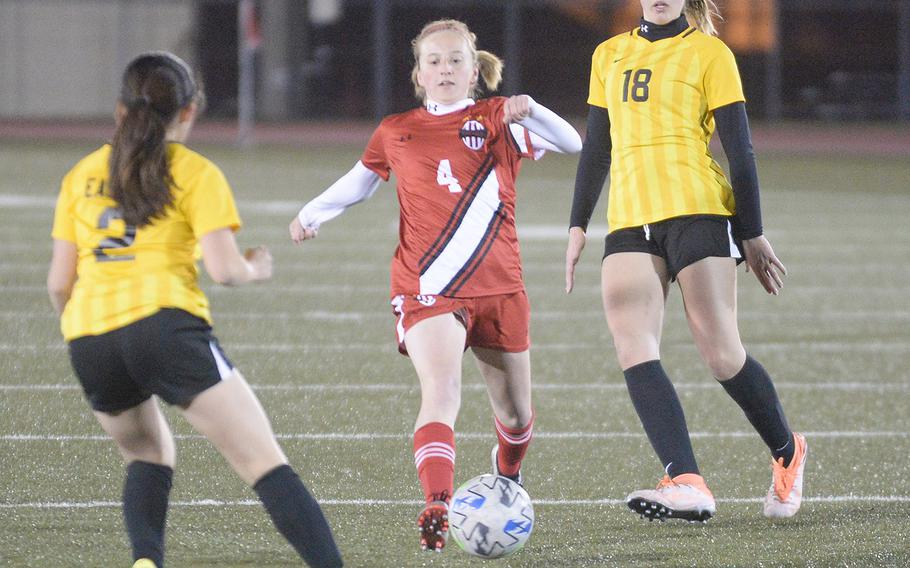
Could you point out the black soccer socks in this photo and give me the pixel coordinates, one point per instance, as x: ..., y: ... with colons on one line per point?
x: 754, y: 392
x: 298, y: 517
x: 662, y: 416
x: 145, y: 499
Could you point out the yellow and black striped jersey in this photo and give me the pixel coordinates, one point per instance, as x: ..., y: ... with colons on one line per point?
x: 127, y: 273
x: 660, y: 97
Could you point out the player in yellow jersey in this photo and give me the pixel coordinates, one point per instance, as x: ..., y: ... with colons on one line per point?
x: 123, y: 276
x: 656, y: 94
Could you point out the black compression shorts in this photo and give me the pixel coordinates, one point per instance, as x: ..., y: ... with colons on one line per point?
x: 171, y: 353
x: 680, y: 241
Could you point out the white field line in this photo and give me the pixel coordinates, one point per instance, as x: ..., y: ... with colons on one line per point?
x: 876, y: 386
x: 22, y: 201
x: 858, y: 266
x: 361, y: 290
x: 837, y: 347
x: 530, y: 247
x: 559, y: 315
x: 372, y: 436
x: 414, y: 502
x: 18, y: 201
x: 541, y: 231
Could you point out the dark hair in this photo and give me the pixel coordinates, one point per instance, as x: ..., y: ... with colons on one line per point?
x: 156, y: 86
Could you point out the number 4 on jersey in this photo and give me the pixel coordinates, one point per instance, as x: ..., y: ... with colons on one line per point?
x: 444, y: 177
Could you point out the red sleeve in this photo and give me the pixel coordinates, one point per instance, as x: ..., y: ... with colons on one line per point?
x: 374, y: 157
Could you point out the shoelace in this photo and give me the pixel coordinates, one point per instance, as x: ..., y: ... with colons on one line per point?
x: 442, y: 496
x: 667, y: 482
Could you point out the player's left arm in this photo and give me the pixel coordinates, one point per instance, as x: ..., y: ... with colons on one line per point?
x: 733, y: 129
x: 548, y: 130
x: 61, y: 276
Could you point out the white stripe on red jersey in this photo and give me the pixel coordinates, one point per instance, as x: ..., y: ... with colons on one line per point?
x: 466, y: 242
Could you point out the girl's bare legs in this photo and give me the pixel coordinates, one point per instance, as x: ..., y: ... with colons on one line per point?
x: 634, y: 290
x: 218, y: 413
x: 709, y: 292
x: 436, y: 346
x: 231, y: 417
x: 141, y: 433
x: 635, y: 287
x: 508, y: 379
x: 147, y: 446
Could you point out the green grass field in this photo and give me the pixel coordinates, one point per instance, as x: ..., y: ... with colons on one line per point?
x: 317, y: 344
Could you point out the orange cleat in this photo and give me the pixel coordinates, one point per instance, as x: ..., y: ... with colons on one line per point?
x: 786, y: 492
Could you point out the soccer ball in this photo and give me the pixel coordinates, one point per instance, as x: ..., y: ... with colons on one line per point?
x: 491, y: 516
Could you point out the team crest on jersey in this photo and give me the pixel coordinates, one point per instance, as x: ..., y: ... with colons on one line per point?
x: 473, y: 133
x: 425, y: 299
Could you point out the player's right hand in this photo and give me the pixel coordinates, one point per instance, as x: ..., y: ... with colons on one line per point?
x: 260, y: 260
x: 577, y: 240
x: 299, y: 233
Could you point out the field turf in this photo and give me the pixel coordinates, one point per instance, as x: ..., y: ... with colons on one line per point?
x: 317, y: 344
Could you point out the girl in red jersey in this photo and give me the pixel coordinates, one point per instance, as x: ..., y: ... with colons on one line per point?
x: 456, y: 274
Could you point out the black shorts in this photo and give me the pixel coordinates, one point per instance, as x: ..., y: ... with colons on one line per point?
x: 172, y: 354
x: 680, y: 241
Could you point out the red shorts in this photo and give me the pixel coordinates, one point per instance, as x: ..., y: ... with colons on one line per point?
x: 493, y: 322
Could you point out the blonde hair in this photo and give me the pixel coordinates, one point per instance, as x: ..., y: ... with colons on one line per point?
x: 488, y: 65
x: 702, y: 14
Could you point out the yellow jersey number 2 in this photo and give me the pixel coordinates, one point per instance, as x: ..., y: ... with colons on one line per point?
x: 112, y: 243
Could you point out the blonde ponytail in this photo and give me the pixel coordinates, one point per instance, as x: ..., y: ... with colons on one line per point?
x: 702, y: 13
x: 489, y: 66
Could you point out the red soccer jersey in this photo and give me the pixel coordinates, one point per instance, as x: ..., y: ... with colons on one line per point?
x: 456, y: 190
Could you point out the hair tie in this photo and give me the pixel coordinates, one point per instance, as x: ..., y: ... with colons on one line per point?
x: 140, y: 100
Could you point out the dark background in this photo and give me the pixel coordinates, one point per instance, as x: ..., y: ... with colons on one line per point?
x: 837, y: 61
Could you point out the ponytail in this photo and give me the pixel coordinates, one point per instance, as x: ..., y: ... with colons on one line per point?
x: 156, y: 87
x: 702, y: 14
x: 490, y: 67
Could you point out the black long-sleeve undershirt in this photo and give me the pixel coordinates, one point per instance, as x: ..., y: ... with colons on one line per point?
x: 593, y: 167
x: 736, y: 139
x: 733, y: 130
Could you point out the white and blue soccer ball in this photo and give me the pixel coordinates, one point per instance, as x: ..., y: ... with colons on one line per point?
x: 491, y: 516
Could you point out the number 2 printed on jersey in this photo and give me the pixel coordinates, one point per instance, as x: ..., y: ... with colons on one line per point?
x: 109, y: 243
